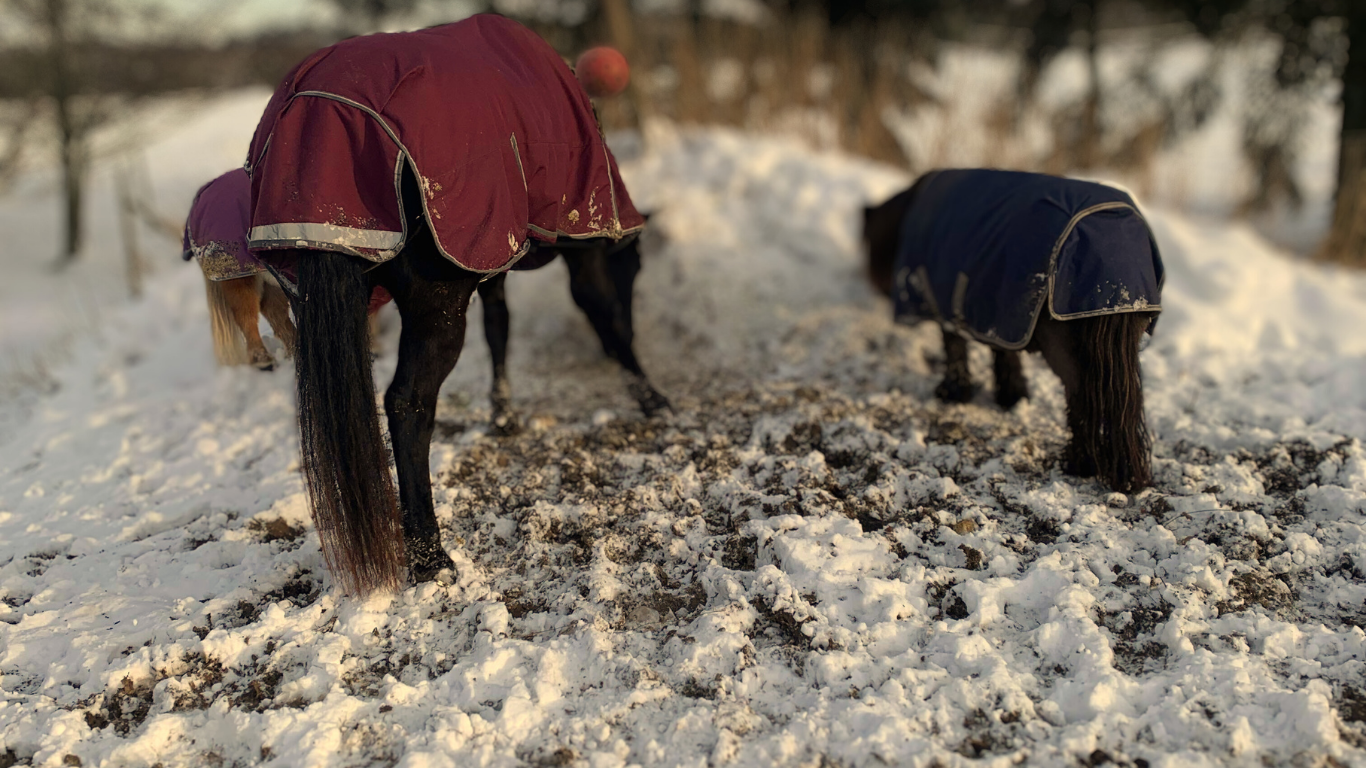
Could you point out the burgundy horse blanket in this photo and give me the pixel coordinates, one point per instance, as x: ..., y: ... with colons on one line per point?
x: 986, y: 251
x: 216, y: 232
x: 216, y: 229
x: 499, y: 134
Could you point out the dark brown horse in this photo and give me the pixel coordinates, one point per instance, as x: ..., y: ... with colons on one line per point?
x: 461, y: 150
x: 1096, y: 357
x: 345, y: 458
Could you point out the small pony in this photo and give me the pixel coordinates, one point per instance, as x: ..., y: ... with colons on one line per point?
x: 1024, y: 261
x: 426, y: 163
x: 236, y: 284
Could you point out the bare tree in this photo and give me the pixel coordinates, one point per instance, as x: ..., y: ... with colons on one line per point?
x: 17, y: 127
x: 62, y: 76
x: 1347, y: 239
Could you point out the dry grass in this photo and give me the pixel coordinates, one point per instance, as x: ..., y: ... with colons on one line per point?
x: 794, y: 74
x: 851, y: 88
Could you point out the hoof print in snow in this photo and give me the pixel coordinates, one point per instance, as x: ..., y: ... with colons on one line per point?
x: 1043, y: 531
x: 275, y: 529
x: 973, y: 559
x: 783, y: 624
x: 1259, y: 588
x: 740, y: 553
x: 300, y: 590
x: 124, y: 709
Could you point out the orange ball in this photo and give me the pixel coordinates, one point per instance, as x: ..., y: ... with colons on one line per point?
x: 602, y: 71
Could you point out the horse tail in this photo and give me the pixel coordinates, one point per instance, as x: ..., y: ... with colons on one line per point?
x: 1109, y: 421
x: 229, y: 345
x: 346, y: 465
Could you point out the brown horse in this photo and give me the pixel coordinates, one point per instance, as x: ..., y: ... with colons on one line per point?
x: 1095, y: 356
x: 236, y: 284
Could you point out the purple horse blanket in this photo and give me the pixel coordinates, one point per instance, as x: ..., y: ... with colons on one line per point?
x: 216, y: 233
x: 216, y: 229
x: 490, y: 120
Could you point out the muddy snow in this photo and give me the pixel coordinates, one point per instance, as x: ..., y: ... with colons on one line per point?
x: 811, y: 562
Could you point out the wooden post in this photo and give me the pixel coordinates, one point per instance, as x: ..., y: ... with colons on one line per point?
x: 1088, y: 155
x: 128, y: 228
x: 1346, y: 242
x: 621, y: 29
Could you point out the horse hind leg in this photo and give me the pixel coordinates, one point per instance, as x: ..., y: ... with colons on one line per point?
x: 957, y: 384
x: 244, y: 301
x: 275, y: 308
x: 1097, y: 360
x: 432, y: 308
x: 1011, y: 384
x: 497, y: 325
x: 1060, y: 344
x: 602, y: 285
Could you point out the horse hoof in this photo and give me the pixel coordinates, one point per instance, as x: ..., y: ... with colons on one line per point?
x: 432, y: 570
x: 655, y: 404
x: 1079, y: 467
x: 952, y: 391
x: 426, y: 558
x: 261, y: 360
x: 1009, y: 397
x: 504, y: 425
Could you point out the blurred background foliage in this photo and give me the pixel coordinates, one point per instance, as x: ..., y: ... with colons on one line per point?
x: 841, y: 74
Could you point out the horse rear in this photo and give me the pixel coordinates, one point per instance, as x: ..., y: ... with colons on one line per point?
x: 1096, y: 355
x: 235, y: 284
x: 234, y: 308
x: 432, y: 93
x: 1097, y: 360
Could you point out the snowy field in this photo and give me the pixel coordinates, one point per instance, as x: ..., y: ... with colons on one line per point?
x: 811, y: 562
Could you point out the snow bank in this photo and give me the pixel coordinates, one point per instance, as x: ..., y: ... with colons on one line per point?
x: 812, y: 562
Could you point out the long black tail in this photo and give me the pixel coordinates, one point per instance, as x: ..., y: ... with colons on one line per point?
x: 1107, y: 412
x: 345, y: 462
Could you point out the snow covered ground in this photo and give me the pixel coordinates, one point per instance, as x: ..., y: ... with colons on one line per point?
x: 811, y: 563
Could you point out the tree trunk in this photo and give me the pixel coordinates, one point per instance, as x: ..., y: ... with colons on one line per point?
x: 1346, y: 241
x: 73, y: 192
x: 690, y: 97
x: 1088, y: 153
x: 71, y: 131
x: 621, y: 29
x: 128, y: 227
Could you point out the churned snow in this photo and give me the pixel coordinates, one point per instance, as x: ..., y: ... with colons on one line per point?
x: 812, y: 562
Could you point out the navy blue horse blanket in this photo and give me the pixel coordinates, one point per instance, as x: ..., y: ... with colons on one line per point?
x: 985, y: 252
